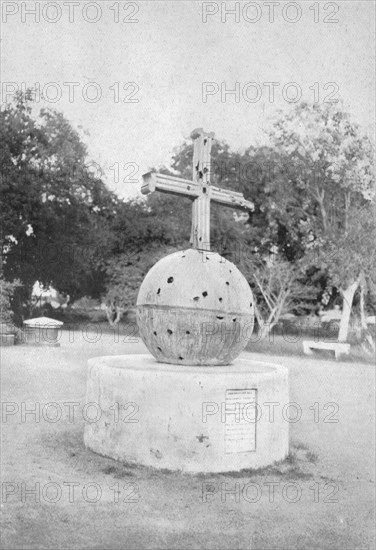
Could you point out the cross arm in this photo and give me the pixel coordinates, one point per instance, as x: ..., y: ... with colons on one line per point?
x: 231, y: 198
x: 154, y: 181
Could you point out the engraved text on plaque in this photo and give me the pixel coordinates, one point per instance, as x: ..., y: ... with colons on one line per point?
x: 239, y: 414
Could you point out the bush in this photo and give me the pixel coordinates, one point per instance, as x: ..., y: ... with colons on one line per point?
x: 6, y: 312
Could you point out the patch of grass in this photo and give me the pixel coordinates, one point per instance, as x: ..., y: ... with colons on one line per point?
x: 108, y: 470
x: 118, y: 472
x: 124, y: 473
x: 292, y: 467
x: 312, y: 457
x: 295, y: 466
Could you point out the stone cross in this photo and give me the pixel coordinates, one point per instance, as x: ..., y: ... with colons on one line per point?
x: 199, y: 189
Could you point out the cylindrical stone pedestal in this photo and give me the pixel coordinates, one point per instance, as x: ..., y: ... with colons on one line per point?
x: 193, y: 419
x: 42, y: 331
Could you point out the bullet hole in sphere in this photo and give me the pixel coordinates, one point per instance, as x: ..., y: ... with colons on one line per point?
x: 183, y: 256
x: 159, y: 349
x: 219, y: 317
x: 181, y: 358
x: 155, y: 333
x: 158, y: 291
x: 227, y: 283
x: 196, y: 298
x: 220, y: 299
x: 204, y: 294
x: 170, y: 280
x: 207, y: 257
x: 230, y: 271
x: 169, y: 331
x: 187, y: 332
x: 234, y: 320
x: 250, y: 305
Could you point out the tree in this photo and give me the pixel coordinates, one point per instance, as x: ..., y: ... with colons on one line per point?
x: 143, y: 232
x: 330, y: 193
x: 56, y: 215
x: 256, y: 172
x: 310, y: 160
x: 268, y: 231
x: 279, y: 287
x: 350, y: 259
x: 126, y: 273
x: 6, y: 295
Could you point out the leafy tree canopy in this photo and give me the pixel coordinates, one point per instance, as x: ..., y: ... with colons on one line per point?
x: 55, y: 214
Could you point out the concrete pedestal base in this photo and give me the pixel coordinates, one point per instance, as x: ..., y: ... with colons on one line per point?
x: 193, y: 419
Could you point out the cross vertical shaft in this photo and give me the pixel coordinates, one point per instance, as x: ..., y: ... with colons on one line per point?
x: 200, y: 232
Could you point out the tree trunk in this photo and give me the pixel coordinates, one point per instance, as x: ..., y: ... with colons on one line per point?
x: 363, y: 321
x: 264, y: 327
x: 366, y: 338
x: 348, y: 297
x: 114, y: 314
x: 265, y: 331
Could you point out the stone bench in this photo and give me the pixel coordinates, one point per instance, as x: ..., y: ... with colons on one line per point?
x: 339, y: 348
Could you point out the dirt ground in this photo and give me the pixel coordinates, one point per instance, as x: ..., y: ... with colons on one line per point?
x: 322, y: 497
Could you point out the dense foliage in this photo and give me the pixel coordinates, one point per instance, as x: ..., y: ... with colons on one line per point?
x: 313, y: 195
x: 55, y: 216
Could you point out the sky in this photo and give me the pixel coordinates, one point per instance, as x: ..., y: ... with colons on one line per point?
x: 135, y: 78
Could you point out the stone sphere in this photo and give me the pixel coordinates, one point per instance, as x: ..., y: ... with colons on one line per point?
x: 195, y: 308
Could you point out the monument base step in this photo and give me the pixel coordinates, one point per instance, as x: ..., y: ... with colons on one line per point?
x: 187, y: 418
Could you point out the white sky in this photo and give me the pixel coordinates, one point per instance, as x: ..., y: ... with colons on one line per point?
x: 169, y: 53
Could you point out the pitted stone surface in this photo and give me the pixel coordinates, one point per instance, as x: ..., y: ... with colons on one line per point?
x: 195, y: 308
